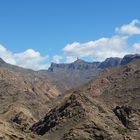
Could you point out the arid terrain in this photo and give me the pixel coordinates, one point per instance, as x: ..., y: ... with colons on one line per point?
x: 76, y: 101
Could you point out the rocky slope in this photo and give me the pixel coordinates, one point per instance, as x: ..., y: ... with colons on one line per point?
x: 107, y: 108
x: 67, y: 76
x: 23, y: 98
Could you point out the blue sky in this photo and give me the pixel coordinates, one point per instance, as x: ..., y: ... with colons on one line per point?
x: 40, y: 31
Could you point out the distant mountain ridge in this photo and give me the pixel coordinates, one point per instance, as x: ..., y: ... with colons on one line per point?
x: 80, y: 64
x: 128, y: 58
x: 110, y: 62
x: 72, y: 75
x: 76, y: 65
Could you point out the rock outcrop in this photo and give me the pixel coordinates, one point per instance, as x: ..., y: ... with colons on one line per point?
x: 128, y: 58
x: 110, y: 62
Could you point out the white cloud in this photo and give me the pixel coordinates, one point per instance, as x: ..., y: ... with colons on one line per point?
x: 27, y: 59
x: 6, y: 55
x: 31, y: 59
x: 100, y: 49
x: 129, y: 29
x: 136, y: 48
x: 57, y: 58
x: 70, y: 59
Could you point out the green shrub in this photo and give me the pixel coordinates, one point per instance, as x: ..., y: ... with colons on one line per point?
x: 122, y: 131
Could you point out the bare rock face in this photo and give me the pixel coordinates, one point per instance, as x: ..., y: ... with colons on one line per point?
x: 128, y: 116
x: 79, y: 117
x: 110, y: 62
x: 8, y: 132
x: 129, y: 58
x: 123, y: 113
x: 71, y: 109
x: 76, y: 65
x: 21, y: 118
x: 86, y: 132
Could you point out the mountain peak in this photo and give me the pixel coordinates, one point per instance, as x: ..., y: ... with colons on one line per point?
x: 127, y: 58
x: 110, y: 62
x: 79, y: 61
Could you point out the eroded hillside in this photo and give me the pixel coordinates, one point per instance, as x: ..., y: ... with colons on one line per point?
x: 32, y: 107
x: 106, y: 108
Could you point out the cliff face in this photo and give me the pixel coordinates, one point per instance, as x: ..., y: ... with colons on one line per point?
x: 77, y: 65
x: 83, y: 65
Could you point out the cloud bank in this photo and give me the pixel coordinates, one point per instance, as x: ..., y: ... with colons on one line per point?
x: 99, y: 49
x: 115, y: 46
x: 136, y: 48
x: 27, y: 59
x: 57, y: 58
x: 129, y: 29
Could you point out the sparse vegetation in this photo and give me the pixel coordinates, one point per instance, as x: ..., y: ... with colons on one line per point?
x: 122, y: 130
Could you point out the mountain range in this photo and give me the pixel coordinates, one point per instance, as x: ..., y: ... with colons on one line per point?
x: 77, y: 101
x: 68, y: 76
